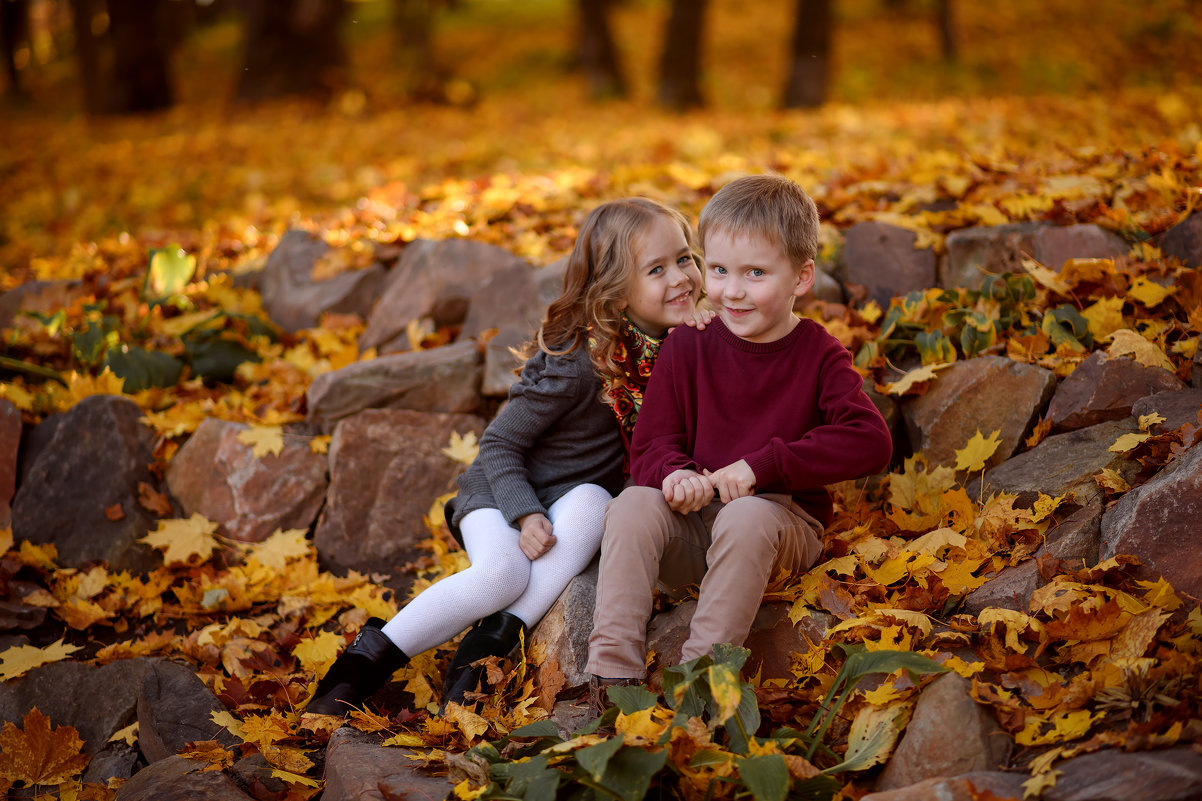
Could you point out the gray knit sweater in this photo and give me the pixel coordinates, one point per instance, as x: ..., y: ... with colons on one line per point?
x: 554, y: 434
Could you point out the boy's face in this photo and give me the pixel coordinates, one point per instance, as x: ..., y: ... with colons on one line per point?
x: 752, y: 284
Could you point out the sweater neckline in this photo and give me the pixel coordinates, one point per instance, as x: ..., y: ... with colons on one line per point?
x: 737, y: 342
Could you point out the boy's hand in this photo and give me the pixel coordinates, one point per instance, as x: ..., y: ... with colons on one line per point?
x: 536, y: 537
x: 733, y: 481
x: 701, y: 317
x: 687, y: 491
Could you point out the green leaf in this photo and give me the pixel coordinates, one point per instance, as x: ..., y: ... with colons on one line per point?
x: 733, y: 656
x: 709, y: 757
x: 217, y: 358
x: 861, y: 662
x: 726, y: 691
x: 872, y: 737
x: 745, y: 722
x: 170, y: 270
x: 935, y: 348
x: 52, y: 322
x: 681, y: 686
x: 816, y: 788
x: 531, y: 779
x: 540, y: 728
x: 142, y: 369
x: 89, y: 343
x: 766, y: 776
x: 631, y: 699
x: 630, y: 771
x: 595, y: 758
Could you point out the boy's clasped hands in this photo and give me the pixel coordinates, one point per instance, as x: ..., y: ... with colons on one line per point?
x: 689, y: 491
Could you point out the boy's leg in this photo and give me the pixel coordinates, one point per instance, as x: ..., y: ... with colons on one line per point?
x: 753, y: 538
x: 640, y: 533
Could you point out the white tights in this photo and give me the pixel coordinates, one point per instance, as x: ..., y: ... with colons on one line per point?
x: 500, y: 576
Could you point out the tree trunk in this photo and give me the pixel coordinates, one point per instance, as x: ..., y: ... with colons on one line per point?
x: 598, y: 56
x: 14, y: 31
x: 947, y: 30
x: 809, y: 63
x: 292, y: 47
x: 88, y: 57
x: 680, y: 61
x: 142, y: 42
x: 413, y: 21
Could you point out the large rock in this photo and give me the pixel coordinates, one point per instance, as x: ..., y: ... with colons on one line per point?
x: 1074, y: 541
x: 218, y: 476
x: 563, y: 633
x: 180, y: 779
x: 969, y: 787
x: 1158, y: 522
x: 1056, y: 244
x: 358, y: 768
x: 1105, y: 388
x: 501, y: 364
x: 883, y: 259
x: 42, y: 297
x: 1184, y: 241
x: 176, y: 708
x: 974, y: 252
x: 1170, y: 774
x: 436, y: 280
x: 1062, y: 464
x: 10, y: 443
x: 1177, y: 408
x: 96, y: 701
x: 293, y: 300
x: 445, y: 379
x: 386, y: 466
x: 506, y: 298
x: 986, y: 394
x: 80, y: 487
x: 949, y: 734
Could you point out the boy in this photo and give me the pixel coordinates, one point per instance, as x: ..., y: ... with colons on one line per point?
x: 741, y: 427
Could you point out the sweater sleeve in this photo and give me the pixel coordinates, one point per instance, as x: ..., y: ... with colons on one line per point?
x: 548, y: 388
x: 853, y: 439
x: 660, y: 444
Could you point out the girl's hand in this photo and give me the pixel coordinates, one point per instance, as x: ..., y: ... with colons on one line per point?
x: 687, y: 491
x: 733, y: 481
x: 702, y: 316
x: 536, y: 537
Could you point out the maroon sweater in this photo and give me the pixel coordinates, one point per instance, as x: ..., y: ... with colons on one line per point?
x: 795, y: 409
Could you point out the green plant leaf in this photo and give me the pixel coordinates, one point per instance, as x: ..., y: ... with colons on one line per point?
x: 142, y: 369
x: 872, y: 737
x: 90, y: 342
x: 862, y: 662
x: 815, y: 788
x: 766, y: 776
x: 632, y: 699
x: 217, y: 358
x: 725, y: 690
x: 595, y: 758
x: 170, y: 270
x: 630, y: 771
x: 540, y: 728
x: 531, y: 779
x: 745, y: 722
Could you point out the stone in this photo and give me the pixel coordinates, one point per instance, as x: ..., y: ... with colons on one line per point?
x: 445, y: 379
x: 1184, y: 241
x: 501, y: 366
x: 974, y: 252
x: 1061, y: 464
x: 826, y: 288
x: 434, y: 279
x: 358, y: 768
x: 1056, y: 244
x: 295, y: 301
x: 563, y: 633
x: 97, y: 701
x: 548, y: 281
x: 15, y: 615
x: 1169, y: 774
x: 176, y: 708
x: 505, y: 298
x: 386, y: 466
x: 969, y: 787
x: 882, y: 258
x: 254, y: 775
x: 216, y: 475
x: 115, y: 761
x: 10, y: 444
x: 41, y: 297
x: 81, y: 463
x: 1074, y: 541
x: 1158, y: 522
x: 1177, y: 408
x: 1103, y: 388
x: 986, y: 394
x: 949, y: 734
x: 179, y: 779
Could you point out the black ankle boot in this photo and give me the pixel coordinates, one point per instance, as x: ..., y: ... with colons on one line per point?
x: 359, y: 671
x: 495, y: 635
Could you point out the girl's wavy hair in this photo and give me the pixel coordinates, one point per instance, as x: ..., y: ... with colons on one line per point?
x: 599, y: 273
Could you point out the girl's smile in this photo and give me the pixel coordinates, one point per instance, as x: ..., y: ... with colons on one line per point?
x: 667, y: 281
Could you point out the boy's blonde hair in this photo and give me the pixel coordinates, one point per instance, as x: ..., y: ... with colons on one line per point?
x: 600, y: 270
x: 770, y: 206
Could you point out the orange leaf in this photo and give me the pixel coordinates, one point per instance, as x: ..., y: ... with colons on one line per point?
x: 39, y: 754
x: 154, y: 501
x: 114, y: 512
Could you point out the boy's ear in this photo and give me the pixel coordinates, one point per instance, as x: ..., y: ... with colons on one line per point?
x: 805, y: 278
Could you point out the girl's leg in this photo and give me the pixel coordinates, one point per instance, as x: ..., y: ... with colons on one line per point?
x: 577, y: 520
x: 498, y: 575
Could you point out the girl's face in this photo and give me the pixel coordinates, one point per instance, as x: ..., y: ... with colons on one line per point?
x: 667, y: 282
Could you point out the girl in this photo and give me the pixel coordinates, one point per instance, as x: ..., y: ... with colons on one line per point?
x: 529, y: 511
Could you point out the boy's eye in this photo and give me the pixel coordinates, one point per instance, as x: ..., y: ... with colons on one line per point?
x: 756, y: 272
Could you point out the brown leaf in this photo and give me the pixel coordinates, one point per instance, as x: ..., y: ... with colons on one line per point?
x: 114, y: 512
x: 153, y: 500
x: 39, y: 754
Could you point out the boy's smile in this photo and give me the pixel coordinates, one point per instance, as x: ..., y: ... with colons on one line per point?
x: 752, y: 284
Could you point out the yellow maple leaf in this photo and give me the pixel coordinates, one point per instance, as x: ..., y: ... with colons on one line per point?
x: 1110, y: 480
x: 1105, y: 316
x: 18, y: 396
x: 871, y: 312
x: 319, y: 652
x: 263, y: 440
x: 957, y: 575
x: 1160, y: 593
x: 1049, y: 278
x: 645, y: 727
x: 913, y: 379
x: 1125, y: 342
x: 128, y: 735
x: 472, y: 725
x: 1149, y: 293
x: 463, y: 449
x: 1040, y: 783
x: 264, y: 730
x: 1044, y: 506
x: 182, y: 418
x: 280, y: 548
x: 406, y: 740
x: 294, y: 778
x: 935, y: 541
x: 976, y: 452
x: 180, y: 540
x: 1059, y: 728
x: 1128, y: 442
x: 20, y: 659
x: 39, y: 754
x: 320, y: 444
x: 6, y: 540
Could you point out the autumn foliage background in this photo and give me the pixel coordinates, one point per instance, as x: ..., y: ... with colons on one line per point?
x: 1057, y: 110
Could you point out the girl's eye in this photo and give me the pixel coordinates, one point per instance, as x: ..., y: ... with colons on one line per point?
x: 657, y: 269
x: 685, y: 260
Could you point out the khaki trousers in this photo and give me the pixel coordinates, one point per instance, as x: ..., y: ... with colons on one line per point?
x: 732, y: 549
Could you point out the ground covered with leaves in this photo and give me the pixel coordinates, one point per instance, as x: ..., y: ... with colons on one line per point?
x: 156, y: 217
